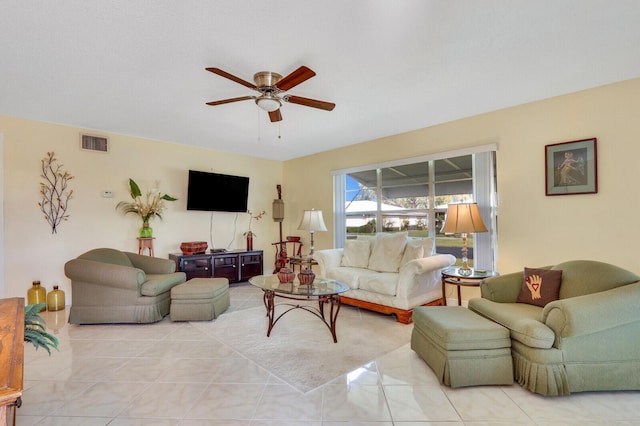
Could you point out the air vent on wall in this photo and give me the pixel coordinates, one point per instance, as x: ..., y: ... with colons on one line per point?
x: 94, y: 143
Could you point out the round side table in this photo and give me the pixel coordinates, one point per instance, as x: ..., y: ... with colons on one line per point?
x: 451, y: 276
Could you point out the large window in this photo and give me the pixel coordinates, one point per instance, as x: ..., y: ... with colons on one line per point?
x: 412, y: 195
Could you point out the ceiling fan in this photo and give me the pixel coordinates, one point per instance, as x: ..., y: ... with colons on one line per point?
x: 271, y: 86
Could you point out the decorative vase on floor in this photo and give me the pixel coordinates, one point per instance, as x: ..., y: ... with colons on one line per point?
x: 36, y: 294
x: 55, y: 299
x: 146, y: 231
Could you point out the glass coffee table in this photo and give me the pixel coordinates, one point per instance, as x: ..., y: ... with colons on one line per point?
x: 323, y: 290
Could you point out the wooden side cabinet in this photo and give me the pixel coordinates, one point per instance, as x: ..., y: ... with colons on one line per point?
x: 11, y: 357
x: 236, y: 266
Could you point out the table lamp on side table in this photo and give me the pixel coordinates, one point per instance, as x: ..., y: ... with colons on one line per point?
x: 463, y: 218
x: 312, y: 221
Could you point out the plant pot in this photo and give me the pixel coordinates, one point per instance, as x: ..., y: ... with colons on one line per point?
x: 146, y: 231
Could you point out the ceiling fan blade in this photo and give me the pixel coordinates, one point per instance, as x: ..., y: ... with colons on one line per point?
x: 232, y: 77
x: 298, y: 76
x: 328, y: 106
x: 275, y: 116
x: 226, y: 101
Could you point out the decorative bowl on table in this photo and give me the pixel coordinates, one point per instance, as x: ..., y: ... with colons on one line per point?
x: 193, y: 247
x: 306, y: 276
x: 286, y: 275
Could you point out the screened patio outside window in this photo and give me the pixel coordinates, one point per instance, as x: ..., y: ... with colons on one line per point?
x: 412, y: 195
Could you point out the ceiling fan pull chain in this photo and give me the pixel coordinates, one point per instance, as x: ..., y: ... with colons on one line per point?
x: 259, y: 126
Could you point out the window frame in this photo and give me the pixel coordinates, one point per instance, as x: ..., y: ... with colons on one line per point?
x: 484, y: 193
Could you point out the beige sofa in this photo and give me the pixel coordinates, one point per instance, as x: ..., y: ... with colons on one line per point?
x: 112, y: 286
x: 389, y: 273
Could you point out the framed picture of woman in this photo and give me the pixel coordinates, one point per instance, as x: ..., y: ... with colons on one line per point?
x: 571, y: 167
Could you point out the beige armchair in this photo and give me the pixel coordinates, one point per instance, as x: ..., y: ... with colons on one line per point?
x: 112, y: 286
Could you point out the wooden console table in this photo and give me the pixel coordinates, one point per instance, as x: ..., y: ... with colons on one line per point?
x: 236, y: 266
x: 11, y: 356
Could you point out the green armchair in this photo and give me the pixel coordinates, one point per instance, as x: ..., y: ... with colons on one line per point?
x: 112, y: 286
x: 585, y: 341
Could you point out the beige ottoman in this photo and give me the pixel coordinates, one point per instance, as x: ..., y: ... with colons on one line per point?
x: 461, y: 347
x: 199, y: 299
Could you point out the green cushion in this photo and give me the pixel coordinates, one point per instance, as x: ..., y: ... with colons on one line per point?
x: 521, y: 319
x: 456, y: 328
x: 200, y: 288
x: 160, y: 283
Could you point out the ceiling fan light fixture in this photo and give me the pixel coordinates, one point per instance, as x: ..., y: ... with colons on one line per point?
x: 268, y: 103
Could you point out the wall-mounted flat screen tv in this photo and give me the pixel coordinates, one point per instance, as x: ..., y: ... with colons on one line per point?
x: 217, y: 192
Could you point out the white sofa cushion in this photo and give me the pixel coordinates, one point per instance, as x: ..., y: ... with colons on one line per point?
x: 417, y: 248
x: 387, y: 252
x: 346, y: 274
x: 356, y: 253
x: 379, y: 282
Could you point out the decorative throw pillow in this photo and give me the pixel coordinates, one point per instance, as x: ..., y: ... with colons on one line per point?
x: 413, y: 250
x: 540, y: 286
x: 387, y: 252
x: 356, y: 253
x: 429, y: 245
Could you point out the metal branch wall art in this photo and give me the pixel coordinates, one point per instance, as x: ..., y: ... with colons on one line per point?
x: 54, y: 191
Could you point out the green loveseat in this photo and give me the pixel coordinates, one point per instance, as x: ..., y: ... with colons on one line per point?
x: 588, y: 340
x: 112, y: 286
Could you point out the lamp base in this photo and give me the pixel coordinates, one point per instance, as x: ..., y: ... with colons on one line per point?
x: 465, y: 272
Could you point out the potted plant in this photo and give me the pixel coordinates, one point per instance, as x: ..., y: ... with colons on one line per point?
x: 249, y: 235
x: 35, y: 330
x: 149, y: 206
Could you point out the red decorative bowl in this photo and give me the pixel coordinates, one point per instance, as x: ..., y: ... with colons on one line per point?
x: 193, y: 247
x: 286, y: 275
x: 306, y: 276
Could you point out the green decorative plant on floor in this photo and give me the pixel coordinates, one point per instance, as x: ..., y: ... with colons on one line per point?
x: 149, y: 206
x: 54, y: 191
x: 35, y: 329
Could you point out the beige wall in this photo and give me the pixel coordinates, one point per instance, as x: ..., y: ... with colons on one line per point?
x: 533, y: 229
x: 32, y: 252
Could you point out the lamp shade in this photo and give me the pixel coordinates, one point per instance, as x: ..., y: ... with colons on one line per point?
x: 312, y: 221
x: 463, y: 218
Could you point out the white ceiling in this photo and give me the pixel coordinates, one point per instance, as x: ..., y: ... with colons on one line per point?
x: 138, y: 67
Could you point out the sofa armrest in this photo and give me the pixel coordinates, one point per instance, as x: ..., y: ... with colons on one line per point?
x: 419, y: 275
x: 328, y: 258
x: 594, y: 312
x: 152, y: 265
x: 503, y: 288
x: 105, y: 274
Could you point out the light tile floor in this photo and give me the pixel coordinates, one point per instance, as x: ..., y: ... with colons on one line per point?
x: 173, y: 374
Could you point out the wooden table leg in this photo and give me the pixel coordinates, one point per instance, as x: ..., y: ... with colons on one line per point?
x: 444, y: 293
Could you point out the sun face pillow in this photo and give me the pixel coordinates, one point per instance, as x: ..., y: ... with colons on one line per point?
x: 540, y: 286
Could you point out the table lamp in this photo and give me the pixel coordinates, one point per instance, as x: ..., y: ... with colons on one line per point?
x: 312, y: 221
x: 463, y: 218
